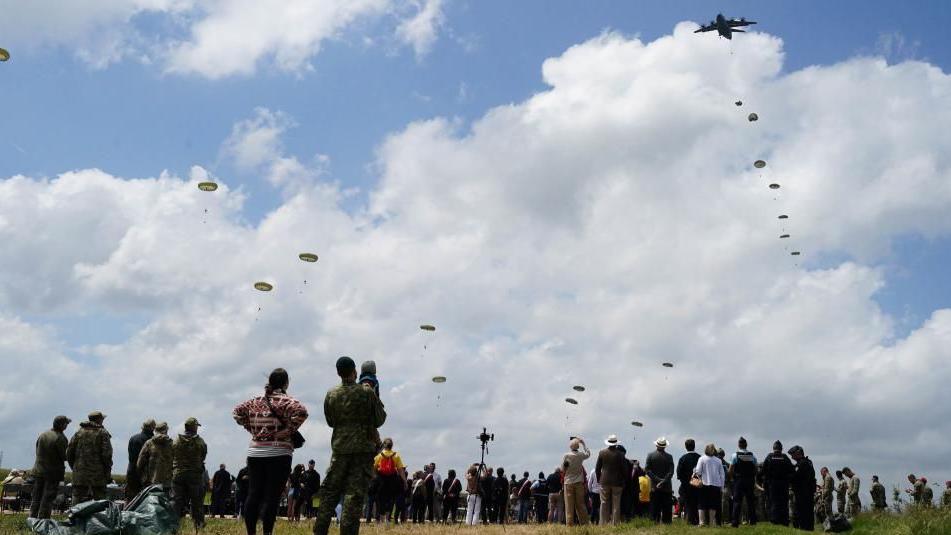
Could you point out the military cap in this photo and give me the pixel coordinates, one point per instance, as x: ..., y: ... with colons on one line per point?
x: 96, y: 415
x: 61, y: 419
x: 345, y: 364
x: 161, y: 427
x: 192, y: 421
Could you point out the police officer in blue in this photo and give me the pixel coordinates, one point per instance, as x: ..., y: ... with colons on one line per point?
x: 777, y: 471
x: 743, y: 470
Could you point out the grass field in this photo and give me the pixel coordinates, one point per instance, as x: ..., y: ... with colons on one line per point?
x: 934, y: 522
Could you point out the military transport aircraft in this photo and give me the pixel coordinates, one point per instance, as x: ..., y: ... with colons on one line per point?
x: 725, y: 27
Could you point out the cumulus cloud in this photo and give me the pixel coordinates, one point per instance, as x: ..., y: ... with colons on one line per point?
x: 584, y: 235
x: 210, y: 38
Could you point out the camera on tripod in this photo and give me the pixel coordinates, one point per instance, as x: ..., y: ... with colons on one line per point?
x: 485, y: 437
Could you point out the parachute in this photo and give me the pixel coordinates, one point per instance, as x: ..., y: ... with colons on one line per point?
x: 578, y: 388
x: 263, y: 286
x: 427, y: 327
x: 759, y: 164
x: 784, y: 216
x: 753, y: 117
x: 774, y: 186
x: 783, y: 236
x: 308, y: 257
x: 571, y: 401
x: 635, y: 423
x: 439, y: 379
x: 668, y: 364
x: 207, y: 186
x: 795, y: 253
x: 4, y: 55
x: 739, y: 102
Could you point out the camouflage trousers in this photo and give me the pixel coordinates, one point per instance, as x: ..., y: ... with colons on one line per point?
x: 189, y: 488
x: 84, y: 493
x: 348, y: 478
x: 855, y: 506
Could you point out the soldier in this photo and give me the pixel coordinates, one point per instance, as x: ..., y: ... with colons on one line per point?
x: 803, y: 486
x: 927, y: 495
x: 946, y: 496
x: 878, y: 495
x: 917, y: 489
x: 90, y: 456
x: 352, y: 411
x: 826, y: 494
x: 154, y: 464
x: 188, y: 473
x: 854, y: 484
x: 777, y: 470
x: 49, y: 468
x: 840, y: 491
x: 133, y: 483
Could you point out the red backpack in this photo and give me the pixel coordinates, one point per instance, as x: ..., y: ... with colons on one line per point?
x: 387, y: 465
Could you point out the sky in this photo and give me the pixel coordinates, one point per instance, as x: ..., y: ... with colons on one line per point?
x: 564, y: 191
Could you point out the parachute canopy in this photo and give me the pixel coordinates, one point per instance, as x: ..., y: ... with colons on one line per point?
x: 207, y: 186
x: 759, y: 164
x: 784, y: 216
x: 795, y: 253
x: 578, y: 388
x: 668, y: 364
x: 439, y: 379
x: 753, y: 117
x: 572, y: 401
x: 783, y: 236
x: 4, y: 55
x: 774, y: 186
x: 635, y: 423
x: 427, y: 327
x: 739, y: 102
x: 263, y: 286
x: 308, y: 257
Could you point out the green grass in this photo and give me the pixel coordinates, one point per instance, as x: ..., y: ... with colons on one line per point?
x: 931, y: 522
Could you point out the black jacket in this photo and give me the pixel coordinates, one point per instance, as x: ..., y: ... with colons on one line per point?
x: 803, y: 482
x: 685, y: 466
x: 311, y: 481
x: 221, y: 482
x: 501, y: 492
x: 777, y: 469
x: 660, y: 470
x: 135, y: 447
x: 554, y: 483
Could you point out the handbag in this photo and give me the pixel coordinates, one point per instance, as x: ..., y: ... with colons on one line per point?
x: 297, y: 439
x: 695, y: 481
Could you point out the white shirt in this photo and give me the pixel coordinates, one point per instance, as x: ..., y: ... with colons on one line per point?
x: 593, y: 484
x: 710, y: 470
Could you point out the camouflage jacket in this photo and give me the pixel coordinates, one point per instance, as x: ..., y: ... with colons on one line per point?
x: 927, y: 497
x: 828, y: 487
x: 853, y: 487
x: 878, y: 494
x: 841, y: 489
x: 946, y: 498
x: 50, y: 455
x: 919, y: 488
x: 188, y: 456
x: 90, y: 455
x: 155, y: 461
x: 354, y: 413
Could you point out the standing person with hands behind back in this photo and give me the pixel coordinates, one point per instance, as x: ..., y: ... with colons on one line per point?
x: 273, y: 420
x: 354, y: 413
x: 660, y: 469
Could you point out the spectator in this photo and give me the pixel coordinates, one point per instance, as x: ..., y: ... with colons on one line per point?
x: 295, y: 483
x: 438, y: 494
x: 487, y: 490
x: 540, y: 494
x: 389, y: 470
x: 556, y: 500
x: 777, y: 470
x: 271, y: 420
x: 474, y: 498
x: 419, y: 497
x: 574, y: 490
x: 500, y: 496
x: 241, y: 485
x: 220, y: 491
x: 743, y: 470
x: 709, y: 469
x: 611, y: 471
x: 451, y: 488
x: 644, y: 491
x: 660, y: 469
x: 49, y: 468
x: 524, y: 494
x: 593, y: 498
x: 133, y: 480
x: 689, y: 495
x: 309, y: 488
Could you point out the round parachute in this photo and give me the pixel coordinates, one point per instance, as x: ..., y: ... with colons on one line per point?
x: 753, y: 117
x: 668, y: 364
x: 4, y: 55
x: 439, y: 379
x: 739, y: 102
x: 795, y: 253
x: 784, y: 216
x: 635, y: 423
x: 578, y: 388
x: 781, y: 236
x: 759, y: 164
x: 427, y: 327
x: 572, y: 401
x: 207, y: 186
x: 308, y: 257
x: 774, y: 186
x: 263, y: 286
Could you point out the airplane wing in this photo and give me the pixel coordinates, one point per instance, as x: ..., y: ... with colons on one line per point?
x: 737, y: 23
x: 709, y: 28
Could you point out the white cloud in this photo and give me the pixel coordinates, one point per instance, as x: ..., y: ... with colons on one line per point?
x: 584, y: 235
x: 421, y: 30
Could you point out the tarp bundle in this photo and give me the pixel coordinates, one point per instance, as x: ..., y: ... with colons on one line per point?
x: 149, y: 513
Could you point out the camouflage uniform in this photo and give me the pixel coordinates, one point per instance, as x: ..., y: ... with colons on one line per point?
x: 48, y: 471
x: 878, y: 496
x: 90, y: 456
x: 188, y: 476
x: 946, y: 498
x: 855, y: 504
x: 828, y: 490
x: 927, y: 497
x: 840, y: 491
x: 354, y: 413
x: 155, y: 461
x: 918, y: 491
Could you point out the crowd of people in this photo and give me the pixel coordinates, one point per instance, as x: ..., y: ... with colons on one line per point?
x: 367, y: 477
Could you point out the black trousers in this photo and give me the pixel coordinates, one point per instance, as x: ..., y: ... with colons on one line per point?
x: 430, y: 507
x: 450, y: 508
x: 541, y: 508
x: 390, y: 487
x: 419, y: 509
x: 267, y: 477
x: 595, y: 512
x: 805, y: 518
x: 661, y: 505
x: 779, y: 503
x: 743, y: 491
x: 690, y: 497
x: 44, y: 493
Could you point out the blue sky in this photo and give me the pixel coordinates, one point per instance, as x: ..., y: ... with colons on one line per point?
x: 548, y: 242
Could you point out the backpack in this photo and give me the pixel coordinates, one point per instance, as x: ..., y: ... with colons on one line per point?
x: 387, y: 465
x: 837, y: 524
